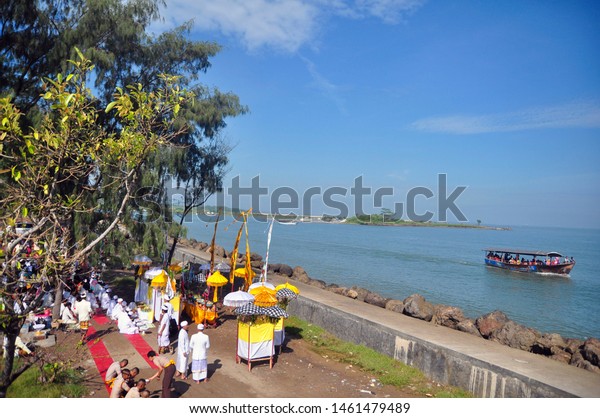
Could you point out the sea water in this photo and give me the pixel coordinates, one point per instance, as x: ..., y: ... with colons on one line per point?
x: 443, y: 264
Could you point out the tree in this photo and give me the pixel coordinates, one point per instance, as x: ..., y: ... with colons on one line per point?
x: 49, y: 173
x: 36, y: 39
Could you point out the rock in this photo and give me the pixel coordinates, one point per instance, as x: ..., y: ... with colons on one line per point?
x: 202, y: 246
x: 361, y: 293
x: 516, y: 335
x: 491, y: 323
x: 192, y: 242
x: 591, y: 351
x: 317, y: 283
x: 468, y: 325
x: 549, y: 344
x: 219, y: 251
x: 573, y: 345
x: 255, y: 257
x: 284, y: 270
x: 351, y: 293
x: 337, y: 289
x: 256, y: 264
x: 417, y: 307
x: 579, y: 361
x: 375, y: 299
x: 561, y: 356
x: 447, y: 316
x: 394, y: 305
x: 299, y: 274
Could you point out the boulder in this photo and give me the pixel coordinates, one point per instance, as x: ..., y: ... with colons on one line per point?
x: 491, y: 323
x: 516, y: 335
x: 255, y: 257
x: 591, y: 351
x: 299, y: 274
x: 257, y: 264
x: 573, y: 345
x: 373, y: 298
x: 468, y: 325
x: 336, y: 289
x: 317, y: 283
x: 394, y: 305
x: 285, y: 270
x: 202, y: 246
x: 417, y: 307
x: 447, y: 316
x: 549, y: 344
x: 579, y: 361
x: 561, y: 356
x: 219, y: 251
x: 351, y: 293
x: 361, y: 293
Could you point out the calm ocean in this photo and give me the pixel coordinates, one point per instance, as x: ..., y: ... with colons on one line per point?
x: 445, y: 265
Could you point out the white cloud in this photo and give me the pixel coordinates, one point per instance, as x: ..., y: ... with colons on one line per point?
x: 579, y: 114
x: 285, y: 25
x: 327, y: 88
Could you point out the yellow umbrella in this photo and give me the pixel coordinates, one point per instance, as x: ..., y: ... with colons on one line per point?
x: 265, y: 298
x: 159, y: 280
x: 288, y: 286
x: 241, y: 272
x: 175, y: 268
x: 259, y: 289
x: 216, y: 280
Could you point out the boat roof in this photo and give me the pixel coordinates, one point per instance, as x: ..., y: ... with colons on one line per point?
x: 524, y: 252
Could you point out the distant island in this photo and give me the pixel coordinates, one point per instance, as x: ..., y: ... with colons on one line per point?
x: 381, y: 220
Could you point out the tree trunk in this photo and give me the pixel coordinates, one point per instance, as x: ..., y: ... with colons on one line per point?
x: 172, y: 251
x: 11, y: 332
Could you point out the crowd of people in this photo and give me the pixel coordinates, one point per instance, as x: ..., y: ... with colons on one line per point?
x: 510, y: 259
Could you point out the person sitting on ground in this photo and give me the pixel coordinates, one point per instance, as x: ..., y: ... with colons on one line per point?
x: 135, y: 392
x: 144, y: 393
x: 114, y: 371
x: 126, y: 325
x: 68, y: 317
x: 119, y: 386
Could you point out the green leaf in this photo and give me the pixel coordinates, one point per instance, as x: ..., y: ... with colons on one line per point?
x: 24, y: 211
x: 47, y: 96
x: 176, y: 109
x: 110, y: 106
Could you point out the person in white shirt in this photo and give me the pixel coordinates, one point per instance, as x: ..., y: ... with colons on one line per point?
x: 183, y: 351
x: 83, y: 308
x: 126, y: 325
x: 164, y: 338
x: 199, y: 344
x: 68, y: 316
x: 114, y: 370
x: 117, y: 309
x: 120, y: 385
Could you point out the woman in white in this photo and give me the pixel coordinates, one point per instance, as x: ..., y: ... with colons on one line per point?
x: 199, y: 345
x: 183, y: 351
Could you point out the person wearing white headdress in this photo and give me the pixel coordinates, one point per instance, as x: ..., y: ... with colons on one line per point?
x: 111, y: 306
x: 117, y: 309
x: 164, y: 338
x: 126, y: 325
x: 105, y: 299
x: 199, y: 345
x: 183, y: 351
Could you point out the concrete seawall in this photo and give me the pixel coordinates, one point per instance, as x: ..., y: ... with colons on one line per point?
x: 484, y: 368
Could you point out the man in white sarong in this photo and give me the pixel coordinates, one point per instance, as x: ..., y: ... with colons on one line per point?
x: 126, y: 325
x: 199, y: 345
x: 164, y: 338
x: 183, y: 351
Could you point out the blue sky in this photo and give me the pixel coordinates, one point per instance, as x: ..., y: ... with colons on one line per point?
x: 502, y: 97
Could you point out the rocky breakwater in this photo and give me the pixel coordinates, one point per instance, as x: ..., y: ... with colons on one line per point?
x: 494, y: 326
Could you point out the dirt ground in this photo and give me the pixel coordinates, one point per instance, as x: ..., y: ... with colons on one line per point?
x: 297, y: 372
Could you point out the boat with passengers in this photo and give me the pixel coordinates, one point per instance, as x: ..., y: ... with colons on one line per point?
x: 527, y: 261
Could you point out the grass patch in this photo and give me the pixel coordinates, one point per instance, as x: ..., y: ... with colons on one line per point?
x: 387, y: 370
x: 69, y: 384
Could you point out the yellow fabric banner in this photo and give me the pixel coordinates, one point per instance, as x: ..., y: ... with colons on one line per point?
x: 255, y: 333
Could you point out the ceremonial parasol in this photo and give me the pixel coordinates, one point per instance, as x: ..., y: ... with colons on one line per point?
x: 141, y: 260
x: 249, y: 309
x: 288, y: 286
x: 238, y: 298
x: 265, y: 297
x: 241, y: 272
x: 261, y: 284
x: 216, y: 280
x: 286, y: 293
x: 275, y: 312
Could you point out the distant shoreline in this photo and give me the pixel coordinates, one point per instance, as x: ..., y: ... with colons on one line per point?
x: 354, y: 221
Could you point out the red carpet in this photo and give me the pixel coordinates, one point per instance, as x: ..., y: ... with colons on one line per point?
x: 141, y: 346
x: 100, y: 354
x: 101, y: 319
